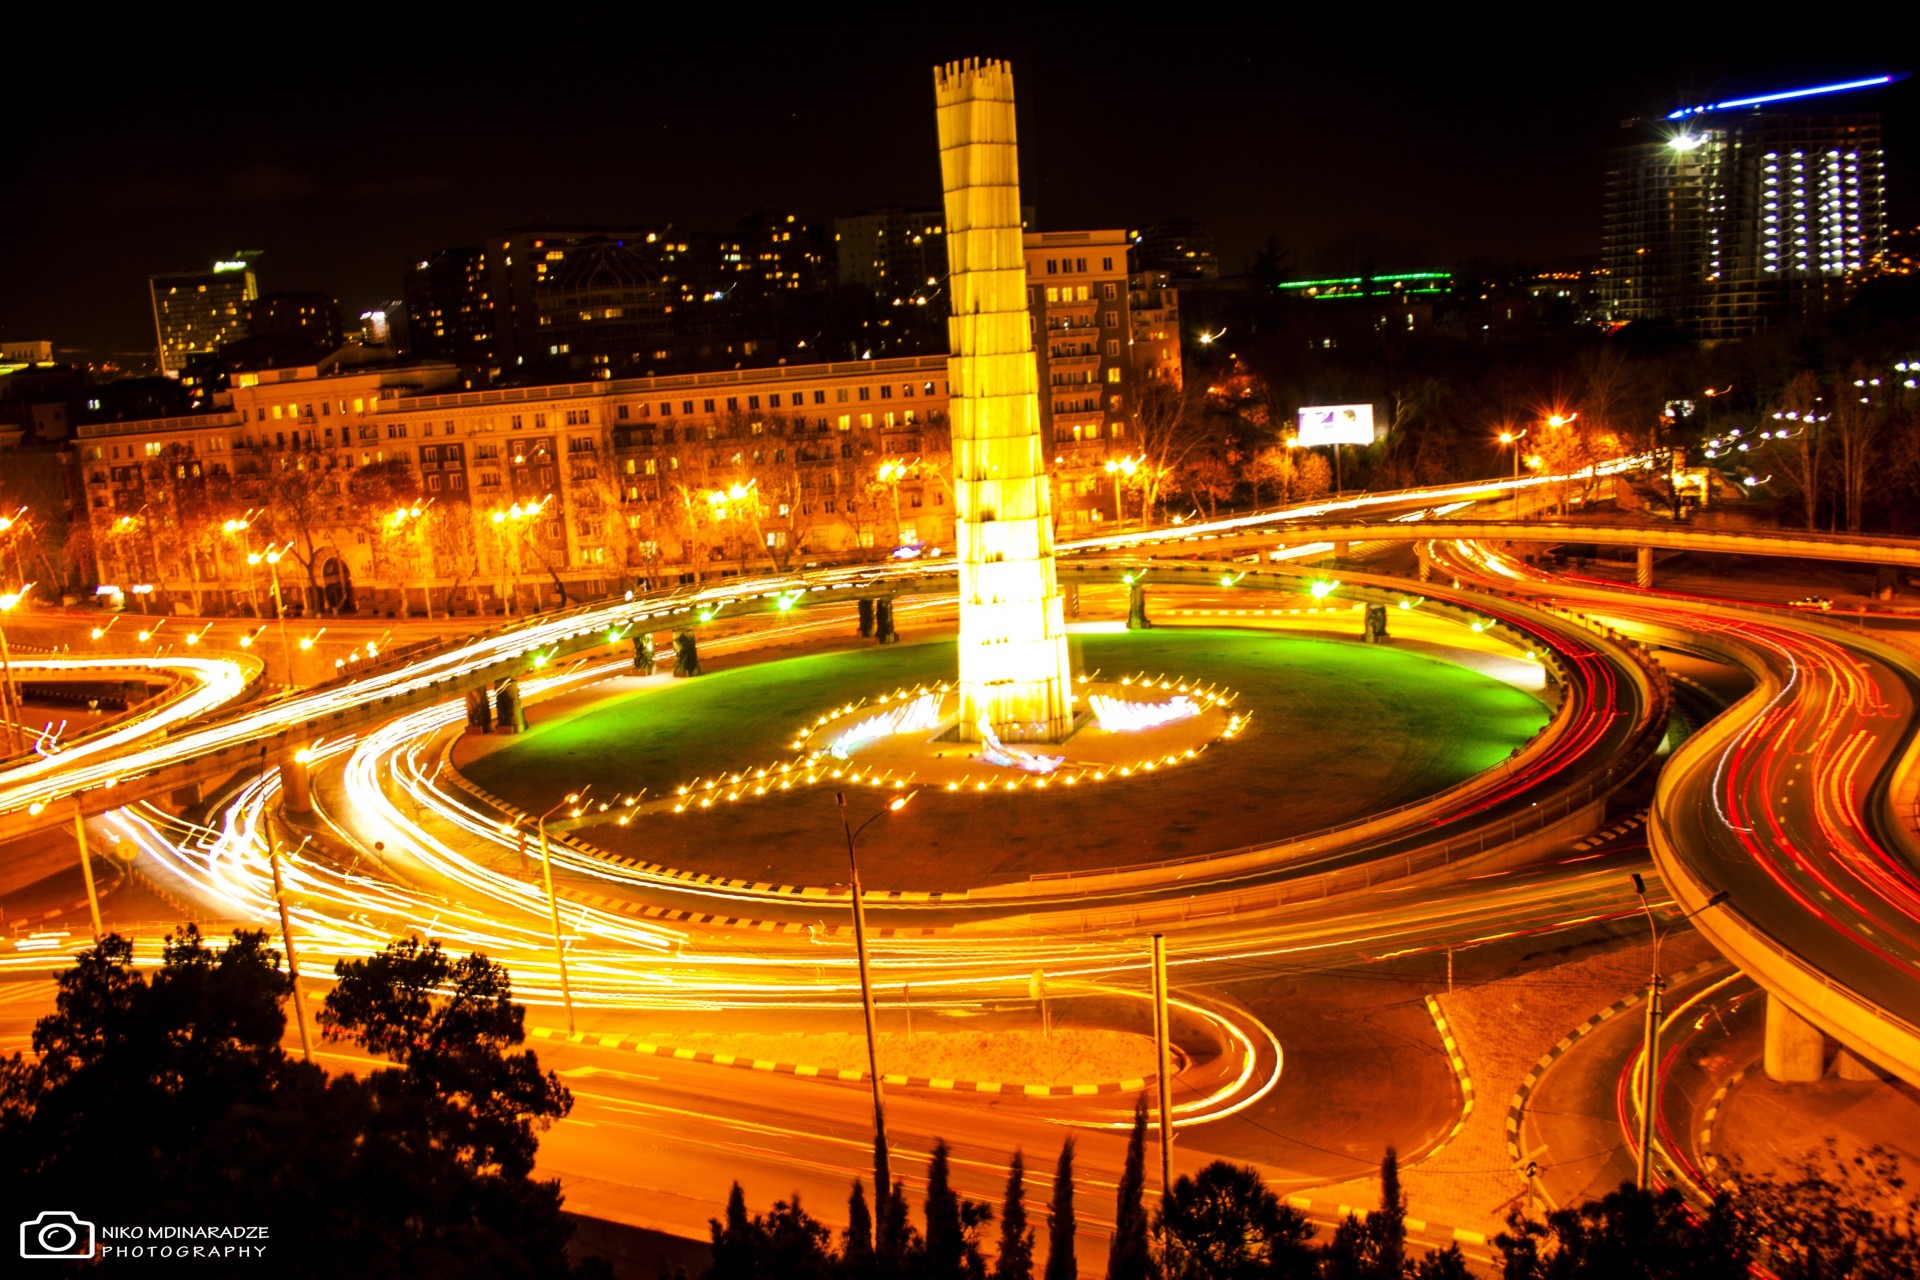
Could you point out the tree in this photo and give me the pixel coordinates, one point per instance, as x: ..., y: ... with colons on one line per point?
x: 1225, y: 1224
x: 952, y: 1250
x: 177, y: 1083
x: 300, y: 501
x: 1799, y: 446
x: 450, y: 1023
x: 1015, y: 1258
x: 1274, y: 469
x: 732, y: 1240
x: 1389, y: 1224
x: 1860, y: 415
x: 1835, y: 1217
x: 1128, y: 1257
x: 1316, y: 477
x: 856, y: 1244
x: 1061, y: 1264
x: 1631, y: 1234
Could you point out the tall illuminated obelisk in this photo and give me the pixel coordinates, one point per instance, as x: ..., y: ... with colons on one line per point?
x: 1014, y: 672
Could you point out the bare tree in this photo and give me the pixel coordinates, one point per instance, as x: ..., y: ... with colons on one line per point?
x: 1860, y: 415
x: 1799, y: 443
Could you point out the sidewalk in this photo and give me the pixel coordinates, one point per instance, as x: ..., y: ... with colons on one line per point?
x: 1502, y: 1030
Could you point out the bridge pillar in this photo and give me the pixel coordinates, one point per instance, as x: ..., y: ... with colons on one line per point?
x: 1340, y: 550
x: 1643, y: 568
x: 883, y: 629
x: 296, y: 790
x: 1073, y: 599
x: 1849, y: 1065
x: 865, y: 605
x: 1796, y: 1052
x: 1426, y: 563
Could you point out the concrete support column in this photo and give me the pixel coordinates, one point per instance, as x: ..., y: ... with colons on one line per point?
x: 296, y: 791
x: 1340, y: 550
x: 1796, y: 1051
x: 1643, y: 568
x: 1849, y: 1065
x: 1137, y: 619
x: 1426, y: 563
x: 1073, y: 599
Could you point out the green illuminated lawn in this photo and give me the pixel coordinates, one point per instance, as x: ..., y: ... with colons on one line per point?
x: 1339, y: 730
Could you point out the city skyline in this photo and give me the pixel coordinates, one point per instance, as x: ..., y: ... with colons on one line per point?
x: 393, y: 156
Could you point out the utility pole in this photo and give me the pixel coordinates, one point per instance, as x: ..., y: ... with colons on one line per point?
x: 86, y: 865
x: 882, y: 1170
x: 553, y: 905
x: 286, y: 940
x: 1650, y: 1052
x: 1162, y: 1033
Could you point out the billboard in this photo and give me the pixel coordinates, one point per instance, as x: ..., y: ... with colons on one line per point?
x: 1336, y: 424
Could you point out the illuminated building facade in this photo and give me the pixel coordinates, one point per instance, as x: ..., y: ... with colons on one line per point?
x: 614, y: 479
x: 1015, y: 677
x: 1078, y: 291
x: 197, y: 312
x: 1741, y: 214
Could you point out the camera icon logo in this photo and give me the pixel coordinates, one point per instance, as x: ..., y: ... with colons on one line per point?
x: 55, y: 1233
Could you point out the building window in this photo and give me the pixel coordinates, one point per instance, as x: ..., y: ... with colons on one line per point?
x: 1108, y: 319
x: 1107, y: 292
x: 1113, y: 346
x: 1113, y: 373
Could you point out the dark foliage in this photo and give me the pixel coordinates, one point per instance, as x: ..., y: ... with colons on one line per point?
x: 178, y: 1085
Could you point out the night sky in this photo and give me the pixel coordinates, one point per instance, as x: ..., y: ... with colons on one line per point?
x: 345, y: 147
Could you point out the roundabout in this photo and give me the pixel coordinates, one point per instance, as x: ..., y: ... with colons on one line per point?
x: 1293, y: 733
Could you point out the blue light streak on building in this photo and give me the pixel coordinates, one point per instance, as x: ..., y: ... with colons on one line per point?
x: 1764, y: 98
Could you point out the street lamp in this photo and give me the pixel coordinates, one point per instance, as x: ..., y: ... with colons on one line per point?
x: 882, y: 1172
x: 1122, y: 470
x: 272, y: 556
x: 553, y: 901
x: 241, y: 525
x: 891, y: 473
x: 1649, y: 1064
x: 12, y: 700
x: 1513, y: 439
x: 518, y: 515
x: 399, y: 521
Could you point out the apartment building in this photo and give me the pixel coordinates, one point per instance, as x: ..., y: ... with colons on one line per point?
x: 390, y: 484
x: 1080, y: 302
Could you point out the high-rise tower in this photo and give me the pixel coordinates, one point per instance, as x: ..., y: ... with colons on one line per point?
x: 1733, y: 216
x: 1014, y: 672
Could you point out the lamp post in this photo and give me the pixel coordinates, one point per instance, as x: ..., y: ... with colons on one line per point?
x: 12, y: 701
x: 399, y: 519
x: 518, y: 515
x: 1513, y: 440
x: 891, y: 473
x: 1650, y: 1061
x: 272, y: 556
x: 286, y: 940
x: 553, y: 900
x: 1122, y: 470
x: 882, y: 1172
x: 241, y: 525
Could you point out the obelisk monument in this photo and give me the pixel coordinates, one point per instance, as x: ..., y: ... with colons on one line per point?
x: 1014, y: 673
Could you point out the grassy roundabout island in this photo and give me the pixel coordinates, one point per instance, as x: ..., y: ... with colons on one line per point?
x: 1339, y: 730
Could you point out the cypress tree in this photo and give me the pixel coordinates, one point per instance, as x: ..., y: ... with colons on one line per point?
x: 1128, y: 1257
x: 1061, y: 1264
x: 856, y: 1250
x: 1390, y: 1223
x: 1015, y: 1261
x: 945, y: 1244
x: 733, y: 1240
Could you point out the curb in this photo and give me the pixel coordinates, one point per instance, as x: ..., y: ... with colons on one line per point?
x: 1452, y: 1047
x: 1516, y: 1109
x: 699, y: 879
x: 1711, y: 1161
x: 1613, y: 832
x: 1459, y: 1235
x: 634, y: 1044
